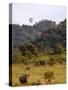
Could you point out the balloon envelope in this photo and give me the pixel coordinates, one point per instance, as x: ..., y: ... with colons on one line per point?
x: 30, y: 20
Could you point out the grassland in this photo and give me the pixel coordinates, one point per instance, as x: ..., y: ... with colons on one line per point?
x: 37, y: 72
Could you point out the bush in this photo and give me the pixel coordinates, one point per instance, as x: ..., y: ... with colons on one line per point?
x: 51, y: 61
x: 27, y: 49
x: 61, y: 60
x: 49, y: 76
x: 25, y: 60
x: 16, y: 56
x: 27, y: 68
x: 40, y: 62
x: 58, y: 48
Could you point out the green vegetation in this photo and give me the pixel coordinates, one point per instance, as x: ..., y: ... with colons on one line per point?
x: 37, y: 72
x: 43, y: 57
x: 49, y: 75
x: 42, y: 67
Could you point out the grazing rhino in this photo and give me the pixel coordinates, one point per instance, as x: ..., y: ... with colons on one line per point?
x: 24, y: 78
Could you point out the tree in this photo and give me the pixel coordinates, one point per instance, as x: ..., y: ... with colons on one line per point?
x: 51, y: 61
x: 28, y: 48
x: 16, y: 56
x: 58, y: 48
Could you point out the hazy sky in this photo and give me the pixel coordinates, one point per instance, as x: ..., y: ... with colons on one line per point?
x: 22, y: 12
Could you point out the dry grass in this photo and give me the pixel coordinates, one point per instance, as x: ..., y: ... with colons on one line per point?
x: 36, y: 73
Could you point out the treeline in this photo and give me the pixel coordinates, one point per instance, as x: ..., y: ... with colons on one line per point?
x: 26, y: 33
x: 43, y: 37
x: 28, y: 54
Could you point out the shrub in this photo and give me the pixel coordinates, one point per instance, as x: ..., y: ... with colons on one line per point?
x: 58, y: 48
x: 61, y: 60
x: 27, y: 68
x: 49, y: 76
x: 51, y: 61
x: 16, y: 56
x: 25, y: 60
x: 28, y: 48
x: 40, y: 62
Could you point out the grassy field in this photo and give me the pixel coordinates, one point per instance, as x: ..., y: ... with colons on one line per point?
x: 37, y: 72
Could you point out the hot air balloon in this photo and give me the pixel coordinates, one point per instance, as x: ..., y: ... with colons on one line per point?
x: 30, y: 20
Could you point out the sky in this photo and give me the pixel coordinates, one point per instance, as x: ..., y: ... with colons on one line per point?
x: 21, y: 13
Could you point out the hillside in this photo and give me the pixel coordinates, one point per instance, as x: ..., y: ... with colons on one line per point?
x: 44, y: 34
x: 27, y: 33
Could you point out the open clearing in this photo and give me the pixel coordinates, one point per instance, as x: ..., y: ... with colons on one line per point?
x: 36, y: 73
